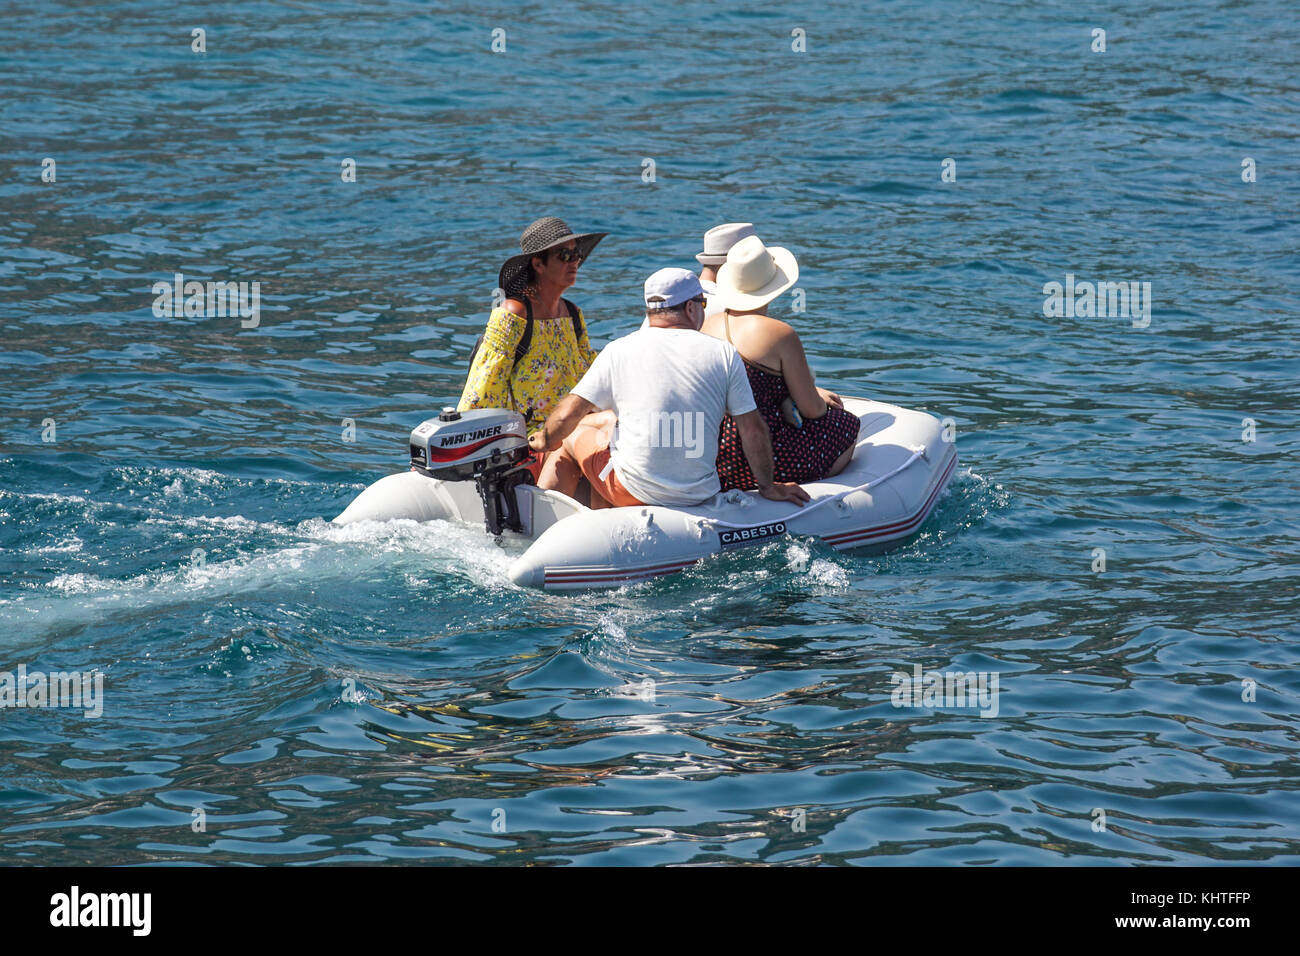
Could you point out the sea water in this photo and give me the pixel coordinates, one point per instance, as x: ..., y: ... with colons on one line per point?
x: 1117, y: 556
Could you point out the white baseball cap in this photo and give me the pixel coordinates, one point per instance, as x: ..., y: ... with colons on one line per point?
x: 670, y: 287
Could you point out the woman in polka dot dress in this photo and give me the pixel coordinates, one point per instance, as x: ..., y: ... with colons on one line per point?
x: 813, y: 437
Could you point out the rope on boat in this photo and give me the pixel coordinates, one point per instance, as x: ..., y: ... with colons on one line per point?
x: 838, y: 496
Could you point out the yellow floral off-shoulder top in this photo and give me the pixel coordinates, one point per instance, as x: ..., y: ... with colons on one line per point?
x: 552, y: 366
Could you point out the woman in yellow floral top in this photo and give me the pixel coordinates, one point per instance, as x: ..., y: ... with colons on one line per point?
x: 558, y: 352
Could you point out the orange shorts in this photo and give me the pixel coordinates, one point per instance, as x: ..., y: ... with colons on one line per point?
x: 591, y: 448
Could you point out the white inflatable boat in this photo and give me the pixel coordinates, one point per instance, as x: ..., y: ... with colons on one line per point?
x: 464, y: 467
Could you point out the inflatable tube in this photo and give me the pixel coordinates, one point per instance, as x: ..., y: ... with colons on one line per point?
x: 900, y: 468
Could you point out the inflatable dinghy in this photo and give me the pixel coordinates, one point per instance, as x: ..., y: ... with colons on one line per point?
x: 465, y: 467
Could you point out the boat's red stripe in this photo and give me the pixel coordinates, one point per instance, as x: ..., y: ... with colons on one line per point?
x: 605, y: 570
x: 891, y: 531
x: 601, y: 568
x: 847, y: 537
x: 571, y: 577
x: 451, y: 454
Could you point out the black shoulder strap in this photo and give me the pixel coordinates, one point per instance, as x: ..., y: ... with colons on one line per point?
x: 525, y: 340
x: 577, y: 320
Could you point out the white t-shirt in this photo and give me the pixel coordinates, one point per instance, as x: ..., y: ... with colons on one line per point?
x: 670, y: 389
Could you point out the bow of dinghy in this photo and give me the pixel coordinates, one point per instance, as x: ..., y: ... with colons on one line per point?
x: 899, y: 470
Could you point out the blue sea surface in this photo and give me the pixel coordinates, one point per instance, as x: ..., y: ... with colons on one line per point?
x: 1119, y: 547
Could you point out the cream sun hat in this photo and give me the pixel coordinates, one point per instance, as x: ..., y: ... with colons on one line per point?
x: 755, y: 274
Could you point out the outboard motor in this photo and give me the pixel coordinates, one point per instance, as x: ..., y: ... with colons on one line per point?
x: 485, y: 445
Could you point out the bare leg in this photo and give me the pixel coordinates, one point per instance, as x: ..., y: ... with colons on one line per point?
x: 561, y: 472
x: 604, y: 420
x: 566, y: 461
x: 842, y: 462
x: 546, y: 477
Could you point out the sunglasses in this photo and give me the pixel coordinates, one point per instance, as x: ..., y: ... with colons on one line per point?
x: 568, y: 255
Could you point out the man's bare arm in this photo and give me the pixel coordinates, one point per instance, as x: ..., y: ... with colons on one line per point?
x: 564, y: 419
x: 757, y: 445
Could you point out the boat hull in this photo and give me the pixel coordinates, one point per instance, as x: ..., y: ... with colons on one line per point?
x: 900, y: 468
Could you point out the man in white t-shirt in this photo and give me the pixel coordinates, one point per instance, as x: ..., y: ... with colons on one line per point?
x: 663, y: 390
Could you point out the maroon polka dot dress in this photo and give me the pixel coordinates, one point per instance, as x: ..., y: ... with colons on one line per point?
x: 798, y: 454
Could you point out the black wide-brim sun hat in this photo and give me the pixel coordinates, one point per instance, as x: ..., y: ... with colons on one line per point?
x: 543, y: 234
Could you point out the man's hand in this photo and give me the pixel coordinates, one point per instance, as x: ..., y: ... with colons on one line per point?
x: 537, y: 441
x: 829, y: 397
x: 784, y: 491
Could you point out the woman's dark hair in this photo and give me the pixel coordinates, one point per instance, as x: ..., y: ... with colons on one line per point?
x: 529, y: 278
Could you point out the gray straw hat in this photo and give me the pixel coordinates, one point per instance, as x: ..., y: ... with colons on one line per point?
x: 537, y: 238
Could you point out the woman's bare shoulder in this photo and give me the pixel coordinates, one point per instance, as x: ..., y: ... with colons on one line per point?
x: 713, y: 325
x: 775, y: 328
x: 770, y: 335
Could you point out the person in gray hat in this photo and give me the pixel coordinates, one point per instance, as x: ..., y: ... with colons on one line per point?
x: 717, y: 243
